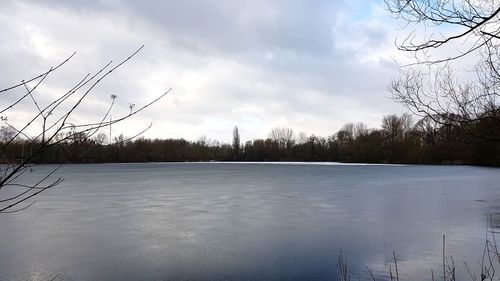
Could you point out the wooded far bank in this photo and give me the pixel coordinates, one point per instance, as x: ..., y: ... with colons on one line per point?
x: 399, y: 140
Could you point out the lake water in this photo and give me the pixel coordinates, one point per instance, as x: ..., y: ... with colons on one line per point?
x: 242, y: 221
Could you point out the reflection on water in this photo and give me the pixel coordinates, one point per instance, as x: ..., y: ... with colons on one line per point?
x: 212, y: 221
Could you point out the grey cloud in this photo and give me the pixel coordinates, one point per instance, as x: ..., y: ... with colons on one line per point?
x: 228, y: 26
x: 244, y: 26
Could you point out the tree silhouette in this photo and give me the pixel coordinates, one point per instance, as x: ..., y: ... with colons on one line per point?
x: 236, y: 144
x: 452, y: 30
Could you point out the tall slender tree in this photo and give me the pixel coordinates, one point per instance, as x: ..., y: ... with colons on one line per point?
x: 236, y: 144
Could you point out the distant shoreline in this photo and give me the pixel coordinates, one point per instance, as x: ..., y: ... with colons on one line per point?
x: 312, y: 163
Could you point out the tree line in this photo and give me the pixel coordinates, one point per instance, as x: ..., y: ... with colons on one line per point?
x: 400, y: 139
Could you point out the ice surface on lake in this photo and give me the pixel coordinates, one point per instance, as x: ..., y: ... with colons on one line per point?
x: 247, y: 221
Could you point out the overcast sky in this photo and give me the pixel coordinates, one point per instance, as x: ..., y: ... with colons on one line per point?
x: 308, y: 65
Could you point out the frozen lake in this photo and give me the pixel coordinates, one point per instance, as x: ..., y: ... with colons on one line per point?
x: 242, y: 221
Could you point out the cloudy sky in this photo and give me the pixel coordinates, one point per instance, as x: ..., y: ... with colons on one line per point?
x: 308, y: 65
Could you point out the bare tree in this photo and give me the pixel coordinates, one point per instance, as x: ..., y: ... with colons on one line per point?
x: 429, y: 87
x: 360, y: 130
x: 302, y: 138
x: 470, y: 23
x: 348, y: 131
x: 6, y: 133
x: 344, y: 137
x: 50, y: 126
x: 395, y: 129
x: 283, y: 136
